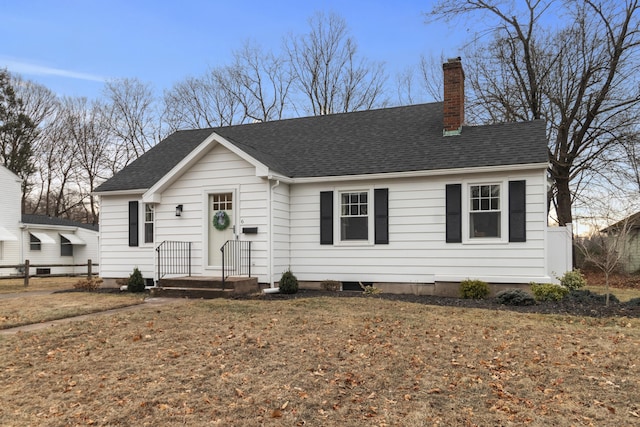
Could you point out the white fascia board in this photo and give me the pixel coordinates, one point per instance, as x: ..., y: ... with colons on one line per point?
x: 423, y: 173
x: 262, y: 170
x: 134, y: 191
x: 28, y: 226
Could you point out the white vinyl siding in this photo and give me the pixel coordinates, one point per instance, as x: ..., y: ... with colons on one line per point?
x: 417, y: 251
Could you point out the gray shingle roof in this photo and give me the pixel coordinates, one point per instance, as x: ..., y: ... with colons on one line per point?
x: 49, y: 220
x: 398, y: 139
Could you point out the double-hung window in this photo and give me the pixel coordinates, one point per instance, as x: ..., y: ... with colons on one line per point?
x: 484, y: 211
x: 148, y: 222
x: 66, y: 248
x: 34, y: 243
x: 354, y: 215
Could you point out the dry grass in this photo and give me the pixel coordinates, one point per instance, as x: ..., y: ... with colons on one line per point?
x: 41, y: 308
x: 323, y: 362
x: 37, y: 284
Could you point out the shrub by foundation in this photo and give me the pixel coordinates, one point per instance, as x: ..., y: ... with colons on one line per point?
x: 548, y: 291
x: 474, y: 289
x: 136, y: 281
x: 288, y: 283
x: 573, y: 280
x: 331, y: 285
x: 88, y: 284
x: 516, y: 297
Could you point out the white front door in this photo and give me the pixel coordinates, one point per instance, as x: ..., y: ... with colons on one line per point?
x: 220, y: 211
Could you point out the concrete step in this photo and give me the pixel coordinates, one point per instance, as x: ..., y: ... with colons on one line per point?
x: 205, y: 287
x: 198, y: 293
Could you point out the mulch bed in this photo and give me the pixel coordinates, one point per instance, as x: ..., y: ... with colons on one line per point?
x: 568, y: 306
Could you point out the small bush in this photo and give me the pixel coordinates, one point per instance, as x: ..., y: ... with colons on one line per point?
x: 515, y: 297
x: 88, y: 284
x: 369, y: 289
x: 548, y: 291
x: 136, y: 281
x: 586, y: 296
x: 573, y: 280
x: 474, y: 289
x: 634, y: 302
x: 288, y: 283
x: 331, y: 285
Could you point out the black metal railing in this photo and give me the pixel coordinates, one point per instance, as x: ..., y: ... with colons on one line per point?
x: 236, y: 259
x: 174, y: 258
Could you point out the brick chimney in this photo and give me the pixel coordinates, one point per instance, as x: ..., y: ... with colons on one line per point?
x: 453, y: 96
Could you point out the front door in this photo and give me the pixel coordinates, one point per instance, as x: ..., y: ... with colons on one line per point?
x: 221, y: 225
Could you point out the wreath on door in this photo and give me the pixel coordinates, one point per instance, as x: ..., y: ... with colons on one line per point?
x: 221, y: 220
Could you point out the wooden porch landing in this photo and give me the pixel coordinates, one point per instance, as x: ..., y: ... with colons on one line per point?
x: 204, y: 287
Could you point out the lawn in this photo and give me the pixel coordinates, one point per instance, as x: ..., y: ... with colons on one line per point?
x: 37, y: 284
x: 323, y: 362
x: 30, y: 309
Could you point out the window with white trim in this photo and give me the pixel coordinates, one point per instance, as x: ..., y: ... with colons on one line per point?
x: 354, y: 215
x: 34, y: 243
x: 484, y: 211
x: 149, y: 217
x: 66, y: 248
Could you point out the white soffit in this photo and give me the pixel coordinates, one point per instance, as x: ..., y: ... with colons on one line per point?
x: 6, y: 235
x: 43, y: 237
x: 73, y: 239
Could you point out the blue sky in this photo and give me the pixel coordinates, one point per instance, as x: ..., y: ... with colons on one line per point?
x: 72, y: 46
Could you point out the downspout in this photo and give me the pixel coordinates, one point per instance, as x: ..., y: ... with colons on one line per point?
x: 271, y: 228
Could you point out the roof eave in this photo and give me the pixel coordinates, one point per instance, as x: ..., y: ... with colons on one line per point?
x: 422, y: 173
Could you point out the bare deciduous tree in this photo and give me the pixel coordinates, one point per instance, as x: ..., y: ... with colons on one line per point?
x: 581, y: 78
x: 260, y: 82
x: 202, y: 102
x: 132, y: 118
x: 606, y: 249
x: 327, y: 70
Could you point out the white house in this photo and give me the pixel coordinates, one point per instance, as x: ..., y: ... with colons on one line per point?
x: 43, y: 240
x: 407, y: 198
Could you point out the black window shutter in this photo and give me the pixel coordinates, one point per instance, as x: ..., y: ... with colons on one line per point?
x: 133, y: 223
x: 517, y: 211
x: 454, y: 213
x: 381, y: 206
x: 326, y: 217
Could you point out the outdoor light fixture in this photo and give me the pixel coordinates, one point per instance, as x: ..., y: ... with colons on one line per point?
x: 179, y: 210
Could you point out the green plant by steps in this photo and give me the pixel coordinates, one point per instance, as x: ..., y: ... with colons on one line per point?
x: 288, y: 283
x: 474, y: 289
x: 136, y: 281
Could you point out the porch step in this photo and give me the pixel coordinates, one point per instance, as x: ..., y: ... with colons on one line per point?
x: 205, y: 287
x: 203, y: 293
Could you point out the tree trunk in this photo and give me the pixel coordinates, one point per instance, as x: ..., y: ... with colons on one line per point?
x: 563, y: 200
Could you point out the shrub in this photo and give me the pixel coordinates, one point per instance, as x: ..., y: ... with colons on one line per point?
x: 586, y: 296
x: 288, y: 283
x: 136, y: 281
x: 634, y: 302
x: 514, y: 297
x: 88, y: 284
x: 474, y: 289
x: 573, y: 280
x: 331, y: 285
x: 369, y: 289
x: 548, y: 291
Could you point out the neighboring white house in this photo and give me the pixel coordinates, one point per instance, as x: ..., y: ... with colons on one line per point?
x: 404, y: 198
x: 43, y: 240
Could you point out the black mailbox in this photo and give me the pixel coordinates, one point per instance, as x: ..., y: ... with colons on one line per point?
x: 250, y: 230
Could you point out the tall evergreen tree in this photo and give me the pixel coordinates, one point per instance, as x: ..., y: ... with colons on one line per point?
x: 17, y: 133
